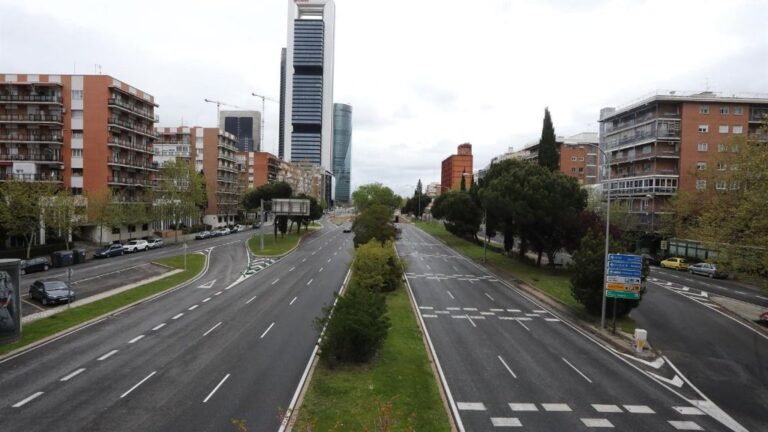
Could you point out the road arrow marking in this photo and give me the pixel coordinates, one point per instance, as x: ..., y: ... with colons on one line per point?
x: 208, y: 285
x: 676, y: 381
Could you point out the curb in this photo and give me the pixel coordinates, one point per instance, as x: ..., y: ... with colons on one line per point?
x: 78, y: 327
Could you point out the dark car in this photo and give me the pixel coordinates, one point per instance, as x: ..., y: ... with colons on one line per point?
x: 35, y: 265
x: 202, y: 235
x: 110, y: 251
x: 51, y: 291
x: 707, y: 269
x: 347, y: 230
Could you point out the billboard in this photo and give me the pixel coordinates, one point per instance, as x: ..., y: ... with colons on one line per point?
x: 10, y: 301
x: 290, y: 207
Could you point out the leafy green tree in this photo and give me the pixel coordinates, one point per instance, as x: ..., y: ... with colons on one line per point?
x: 548, y: 154
x: 417, y: 204
x: 375, y: 222
x: 377, y: 267
x: 22, y: 206
x: 63, y: 213
x: 462, y: 216
x: 315, y: 212
x: 98, y: 203
x: 180, y: 195
x: 252, y: 200
x: 375, y: 193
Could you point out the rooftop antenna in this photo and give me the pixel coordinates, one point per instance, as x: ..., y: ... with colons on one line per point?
x: 97, y: 69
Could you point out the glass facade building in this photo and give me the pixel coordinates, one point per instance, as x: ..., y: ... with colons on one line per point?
x: 342, y: 151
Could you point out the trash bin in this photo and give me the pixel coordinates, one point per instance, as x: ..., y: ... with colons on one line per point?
x: 79, y: 255
x: 62, y: 258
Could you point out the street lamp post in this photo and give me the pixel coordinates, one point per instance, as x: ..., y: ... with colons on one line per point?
x: 653, y: 208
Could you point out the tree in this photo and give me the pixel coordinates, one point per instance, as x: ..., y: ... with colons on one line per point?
x: 97, y: 208
x: 417, y: 204
x: 252, y: 200
x: 548, y: 154
x: 22, y: 206
x: 181, y: 193
x: 377, y: 267
x: 375, y: 193
x: 64, y: 213
x: 462, y: 216
x: 375, y: 222
x: 315, y: 212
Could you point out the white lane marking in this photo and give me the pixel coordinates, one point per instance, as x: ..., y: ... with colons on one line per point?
x: 597, y: 423
x: 552, y: 319
x: 218, y: 293
x: 267, y: 331
x: 335, y: 253
x: 513, y: 310
x: 207, y: 299
x: 310, y: 281
x: 294, y: 299
x: 497, y: 310
x: 275, y: 281
x: 487, y: 295
x: 539, y: 311
x: 521, y: 323
x: 136, y: 339
x: 602, y: 408
x: 470, y: 406
x: 177, y: 316
x: 574, y: 368
x: 215, y: 388
x: 321, y: 269
x: 193, y: 307
x: 329, y: 259
x: 158, y: 327
x: 531, y: 315
x: 487, y: 313
x: 426, y: 307
x: 304, y: 260
x: 442, y: 312
x: 429, y: 316
x: 470, y: 309
x: 137, y: 384
x: 639, y: 409
x: 684, y: 410
x: 685, y: 425
x: 451, y: 296
x: 453, y: 308
x: 429, y: 267
x: 23, y: 402
x: 470, y: 320
x: 523, y: 407
x: 252, y: 299
x: 314, y: 252
x: 506, y: 422
x: 212, y: 329
x: 107, y: 355
x: 73, y: 374
x: 507, y: 367
x: 292, y: 268
x: 556, y: 407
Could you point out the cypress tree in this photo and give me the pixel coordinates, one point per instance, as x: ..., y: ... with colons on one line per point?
x: 548, y: 155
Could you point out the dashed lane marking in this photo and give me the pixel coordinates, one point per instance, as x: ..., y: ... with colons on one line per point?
x: 556, y: 407
x: 470, y: 406
x: 73, y: 374
x: 601, y: 408
x: 639, y: 409
x: 291, y: 303
x: 506, y: 366
x: 267, y: 331
x: 215, y: 389
x: 684, y: 410
x: 489, y: 296
x: 193, y: 307
x: 578, y: 371
x: 177, y: 316
x: 28, y: 399
x: 107, y: 355
x: 137, y: 385
x: 136, y: 339
x: 275, y: 281
x: 522, y: 407
x: 685, y: 425
x: 597, y: 423
x: 251, y: 299
x: 506, y: 422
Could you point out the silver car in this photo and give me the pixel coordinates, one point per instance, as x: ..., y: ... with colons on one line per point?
x: 706, y: 269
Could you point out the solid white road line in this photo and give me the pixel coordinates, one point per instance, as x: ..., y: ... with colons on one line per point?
x: 470, y: 406
x: 275, y: 281
x: 507, y: 366
x: 556, y: 407
x: 310, y: 281
x: 488, y: 295
x: 73, y: 374
x: 521, y: 323
x: 177, y: 316
x: 294, y: 299
x: 136, y: 339
x: 252, y: 299
x: 601, y: 408
x: 267, y: 331
x: 193, y: 307
x: 639, y: 409
x: 137, y: 384
x: 685, y: 425
x: 215, y: 388
x: 506, y: 422
x: 597, y: 423
x: 523, y: 407
x: 23, y: 402
x: 107, y: 355
x: 574, y: 368
x: 212, y: 329
x: 451, y: 296
x: 470, y: 320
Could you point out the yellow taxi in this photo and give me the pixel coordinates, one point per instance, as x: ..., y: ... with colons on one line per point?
x: 675, y: 264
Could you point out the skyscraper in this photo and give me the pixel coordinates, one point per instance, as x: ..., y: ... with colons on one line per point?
x: 281, y: 126
x: 245, y: 125
x: 342, y: 150
x: 308, y: 120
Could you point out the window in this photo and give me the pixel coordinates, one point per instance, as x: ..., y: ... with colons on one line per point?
x: 581, y: 170
x: 724, y: 110
x: 723, y: 129
x: 573, y: 158
x: 131, y: 228
x: 573, y: 170
x: 646, y: 166
x: 77, y: 95
x: 734, y: 148
x: 701, y: 166
x: 77, y: 153
x: 721, y: 166
x: 145, y: 227
x: 738, y: 110
x: 77, y: 114
x: 703, y: 109
x: 703, y: 147
x: 738, y: 129
x: 703, y: 128
x: 701, y: 184
x: 722, y: 148
x: 115, y: 230
x: 734, y: 185
x: 721, y: 185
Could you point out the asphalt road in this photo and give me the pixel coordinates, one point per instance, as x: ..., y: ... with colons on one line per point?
x: 194, y: 359
x: 722, y: 287
x: 509, y: 361
x: 725, y: 357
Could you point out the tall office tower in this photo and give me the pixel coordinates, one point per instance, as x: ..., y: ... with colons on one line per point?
x: 342, y: 150
x: 245, y: 125
x: 281, y: 126
x: 309, y: 82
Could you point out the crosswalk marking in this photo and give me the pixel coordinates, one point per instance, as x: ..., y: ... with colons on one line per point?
x: 470, y: 406
x: 523, y: 407
x: 685, y: 425
x: 597, y: 423
x: 506, y: 422
x: 556, y: 407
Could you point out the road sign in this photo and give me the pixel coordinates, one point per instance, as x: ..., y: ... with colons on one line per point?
x: 624, y: 276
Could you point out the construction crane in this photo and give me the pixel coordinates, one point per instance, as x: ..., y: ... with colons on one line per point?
x: 218, y: 109
x: 263, y: 108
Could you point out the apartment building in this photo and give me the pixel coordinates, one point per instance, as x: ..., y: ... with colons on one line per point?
x: 305, y: 178
x: 432, y: 190
x: 662, y: 143
x: 455, y: 167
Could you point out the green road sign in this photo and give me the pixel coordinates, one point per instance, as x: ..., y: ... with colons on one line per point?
x: 626, y: 295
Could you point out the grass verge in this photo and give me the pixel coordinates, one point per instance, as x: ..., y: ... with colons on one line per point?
x: 554, y: 282
x: 398, y: 385
x: 69, y: 318
x: 276, y: 246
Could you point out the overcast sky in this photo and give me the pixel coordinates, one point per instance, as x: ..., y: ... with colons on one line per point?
x: 422, y: 76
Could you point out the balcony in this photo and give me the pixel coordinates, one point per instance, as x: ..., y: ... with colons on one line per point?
x: 27, y: 138
x: 129, y: 181
x: 31, y: 118
x: 121, y: 143
x: 224, y: 167
x: 226, y: 179
x: 656, y: 152
x: 33, y: 157
x: 131, y: 163
x: 31, y: 99
x: 131, y: 127
x: 52, y: 177
x: 660, y: 130
x: 133, y: 109
x: 655, y: 184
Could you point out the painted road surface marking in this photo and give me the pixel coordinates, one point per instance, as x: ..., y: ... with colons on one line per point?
x: 470, y: 406
x: 507, y: 367
x: 639, y: 409
x: 177, y: 316
x: 215, y: 388
x: 275, y: 281
x: 574, y: 368
x: 73, y: 374
x: 207, y: 299
x: 685, y: 425
x: 193, y: 307
x: 556, y: 407
x: 506, y: 422
x: 451, y: 296
x: 252, y: 299
x: 470, y: 321
x: 292, y: 268
x: 426, y: 307
x: 158, y: 327
x: 212, y: 329
x: 294, y: 299
x: 523, y: 407
x: 429, y: 316
x: 487, y: 295
x: 310, y: 281
x: 107, y: 355
x: 23, y: 402
x: 137, y: 384
x: 453, y: 308
x: 267, y: 331
x: 321, y: 269
x: 688, y: 410
x: 524, y: 326
x: 136, y: 339
x: 606, y: 408
x: 596, y: 423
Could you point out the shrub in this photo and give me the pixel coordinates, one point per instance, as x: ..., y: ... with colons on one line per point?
x: 377, y: 267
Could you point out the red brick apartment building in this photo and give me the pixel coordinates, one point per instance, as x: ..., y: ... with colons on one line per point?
x: 578, y: 156
x: 261, y: 168
x: 661, y: 144
x: 455, y: 166
x: 84, y: 132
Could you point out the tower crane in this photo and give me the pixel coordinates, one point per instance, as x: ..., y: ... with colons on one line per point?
x: 218, y: 109
x: 263, y: 107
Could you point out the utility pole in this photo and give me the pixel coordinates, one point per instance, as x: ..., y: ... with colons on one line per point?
x: 263, y: 109
x: 261, y: 225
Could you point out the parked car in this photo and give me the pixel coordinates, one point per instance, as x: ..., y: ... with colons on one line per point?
x: 651, y: 259
x: 51, y: 291
x: 675, y: 263
x: 347, y: 230
x: 224, y: 231
x: 34, y: 265
x: 202, y: 235
x: 155, y: 243
x: 237, y: 228
x: 256, y: 225
x: 109, y: 251
x: 707, y: 269
x: 136, y: 246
